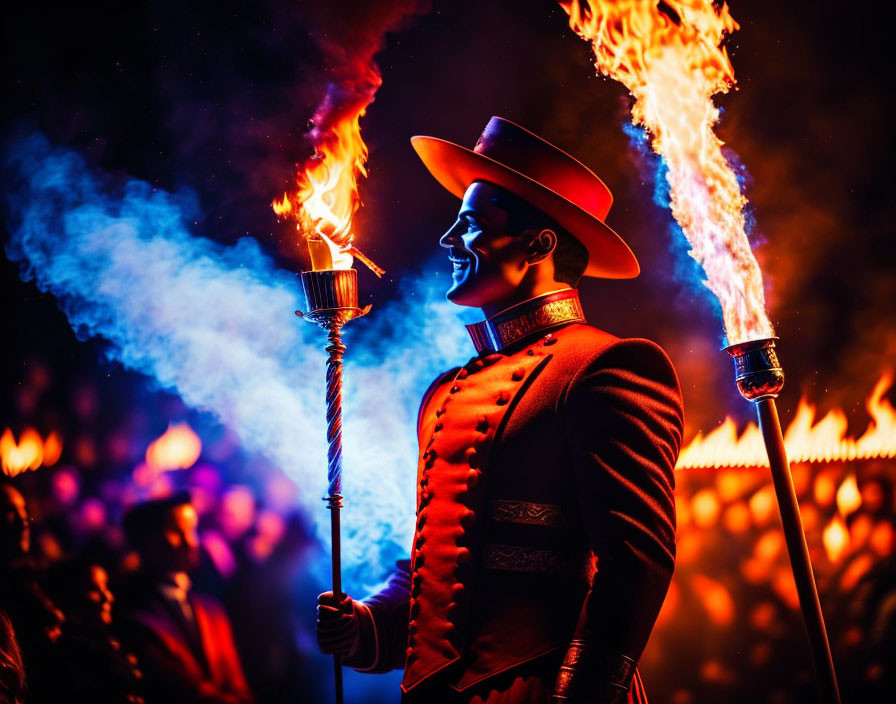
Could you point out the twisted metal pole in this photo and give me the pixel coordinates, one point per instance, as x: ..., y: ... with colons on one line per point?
x: 335, y: 350
x: 332, y: 298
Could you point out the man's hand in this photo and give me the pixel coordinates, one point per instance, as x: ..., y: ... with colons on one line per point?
x: 338, y: 625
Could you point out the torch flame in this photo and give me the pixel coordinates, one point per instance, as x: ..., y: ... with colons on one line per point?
x: 326, y: 196
x: 669, y: 56
x: 805, y: 440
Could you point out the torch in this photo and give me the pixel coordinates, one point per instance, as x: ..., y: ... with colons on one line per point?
x: 672, y: 58
x: 331, y: 297
x: 760, y: 378
x: 323, y: 204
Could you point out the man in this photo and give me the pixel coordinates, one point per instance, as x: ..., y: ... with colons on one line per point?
x: 545, y: 524
x: 183, y: 640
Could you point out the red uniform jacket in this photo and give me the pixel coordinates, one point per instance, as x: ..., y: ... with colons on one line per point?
x: 181, y: 661
x: 545, y: 510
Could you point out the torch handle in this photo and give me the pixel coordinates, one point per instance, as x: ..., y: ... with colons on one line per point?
x: 336, y: 348
x: 798, y: 550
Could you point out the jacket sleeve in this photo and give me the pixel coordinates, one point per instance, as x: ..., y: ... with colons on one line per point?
x: 384, y: 624
x: 623, y: 417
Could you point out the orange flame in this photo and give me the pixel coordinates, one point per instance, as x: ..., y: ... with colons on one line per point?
x: 326, y: 196
x: 19, y: 457
x: 52, y: 449
x: 177, y: 448
x: 716, y: 599
x: 669, y: 56
x: 29, y: 453
x: 835, y: 538
x: 806, y: 440
x: 848, y: 497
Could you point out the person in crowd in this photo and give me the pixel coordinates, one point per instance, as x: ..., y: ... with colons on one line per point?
x: 92, y: 664
x: 12, y: 670
x: 183, y: 640
x: 34, y: 617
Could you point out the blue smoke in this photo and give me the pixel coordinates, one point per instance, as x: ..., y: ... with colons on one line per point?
x: 215, y: 324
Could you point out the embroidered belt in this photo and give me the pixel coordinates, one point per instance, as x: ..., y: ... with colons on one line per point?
x: 520, y: 559
x: 528, y: 513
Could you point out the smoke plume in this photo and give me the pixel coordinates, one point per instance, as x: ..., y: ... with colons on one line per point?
x: 215, y: 324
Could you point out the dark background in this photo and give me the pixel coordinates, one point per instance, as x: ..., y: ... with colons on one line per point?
x: 215, y: 96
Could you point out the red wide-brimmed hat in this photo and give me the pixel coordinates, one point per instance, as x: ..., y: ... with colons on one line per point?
x: 544, y: 176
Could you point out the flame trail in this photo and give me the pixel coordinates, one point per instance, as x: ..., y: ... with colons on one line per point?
x: 669, y: 56
x: 216, y: 324
x: 326, y: 196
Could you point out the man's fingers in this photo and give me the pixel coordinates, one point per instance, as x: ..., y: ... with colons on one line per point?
x: 344, y: 603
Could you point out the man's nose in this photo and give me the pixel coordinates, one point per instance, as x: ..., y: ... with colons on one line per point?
x: 452, y: 238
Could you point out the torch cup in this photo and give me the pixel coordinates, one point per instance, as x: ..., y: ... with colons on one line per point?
x: 759, y: 378
x: 332, y: 300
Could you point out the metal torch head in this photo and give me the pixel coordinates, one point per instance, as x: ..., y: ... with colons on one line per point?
x: 331, y: 297
x: 757, y: 372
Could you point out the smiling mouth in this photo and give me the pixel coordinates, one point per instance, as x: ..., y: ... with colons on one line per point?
x: 458, y: 259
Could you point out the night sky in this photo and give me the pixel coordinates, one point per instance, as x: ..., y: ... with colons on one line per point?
x: 215, y: 96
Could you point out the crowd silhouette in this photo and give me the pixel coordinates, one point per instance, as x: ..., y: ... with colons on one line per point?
x: 128, y: 627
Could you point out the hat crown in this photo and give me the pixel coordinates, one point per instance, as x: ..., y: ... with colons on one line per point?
x: 527, y: 153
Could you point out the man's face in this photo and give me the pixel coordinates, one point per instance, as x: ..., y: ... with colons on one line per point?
x: 15, y: 530
x: 488, y: 262
x: 182, y: 538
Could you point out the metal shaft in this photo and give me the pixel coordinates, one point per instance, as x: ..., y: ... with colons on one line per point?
x: 795, y: 537
x: 334, y: 467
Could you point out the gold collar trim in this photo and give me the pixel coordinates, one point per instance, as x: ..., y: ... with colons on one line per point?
x: 538, y: 314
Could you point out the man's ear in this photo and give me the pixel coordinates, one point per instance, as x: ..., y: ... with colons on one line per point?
x: 541, y: 246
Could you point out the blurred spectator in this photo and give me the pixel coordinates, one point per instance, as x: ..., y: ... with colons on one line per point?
x: 182, y: 639
x: 35, y: 619
x: 92, y: 665
x: 12, y: 671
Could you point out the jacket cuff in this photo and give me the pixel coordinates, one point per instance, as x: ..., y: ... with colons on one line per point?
x: 364, y: 659
x: 591, y: 675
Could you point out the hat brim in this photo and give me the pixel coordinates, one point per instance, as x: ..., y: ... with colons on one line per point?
x: 456, y: 167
